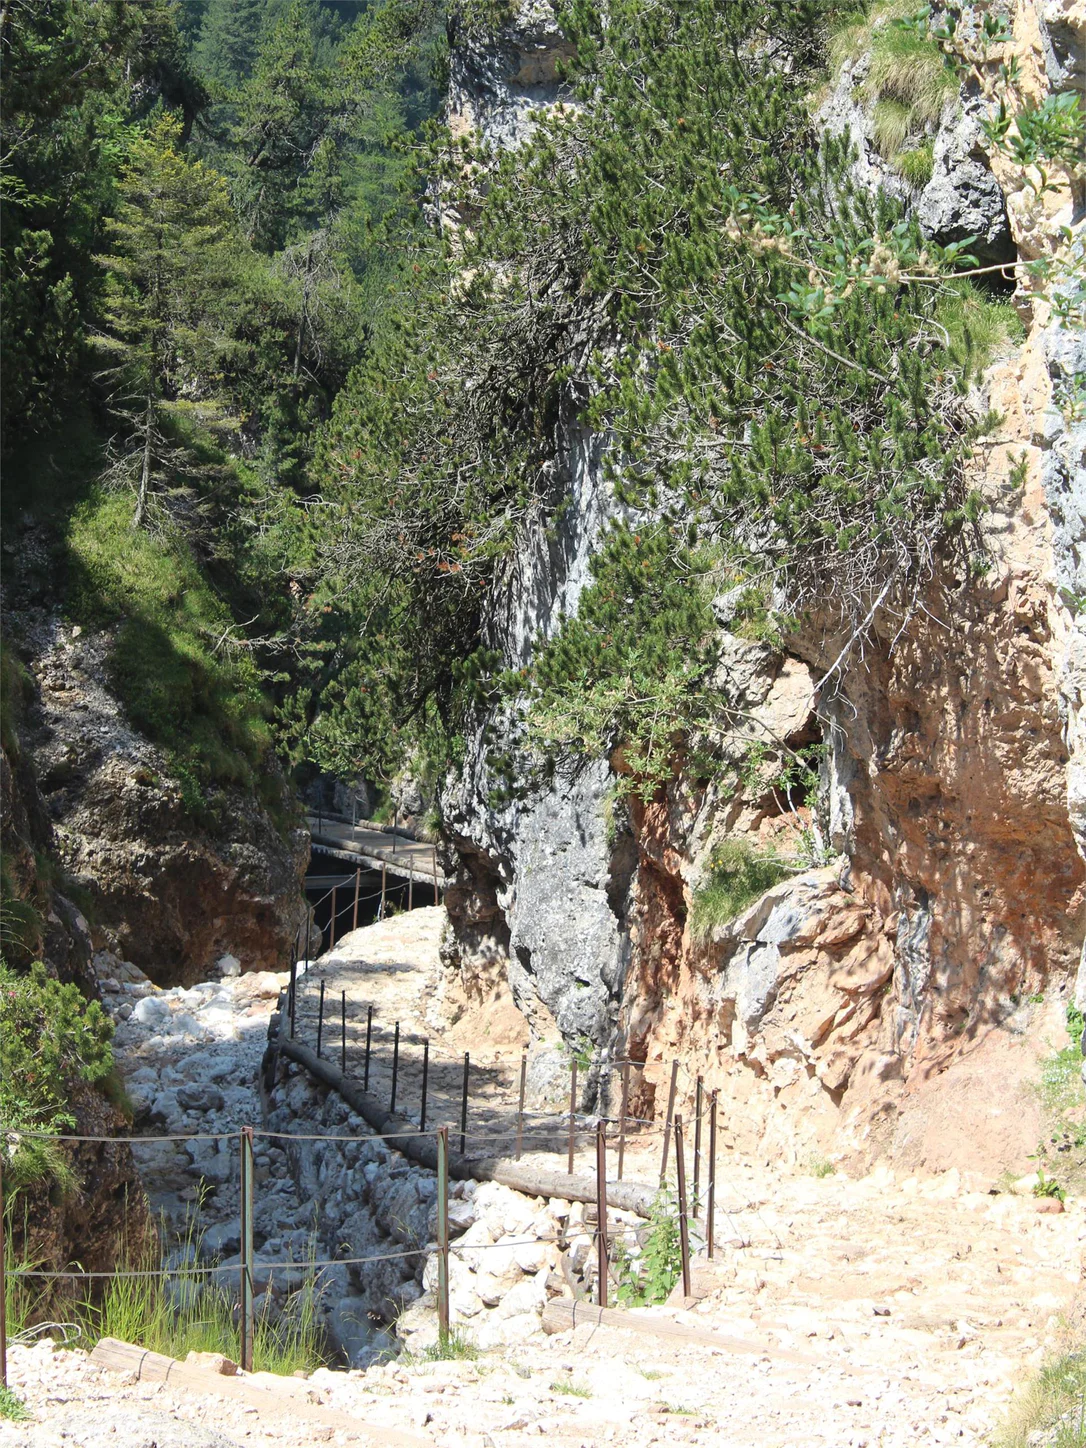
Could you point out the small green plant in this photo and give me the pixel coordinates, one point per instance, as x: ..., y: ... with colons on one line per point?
x: 738, y: 875
x: 650, y: 1278
x: 1047, y: 1187
x: 1076, y: 1023
x: 821, y: 1166
x: 582, y: 1050
x: 916, y: 164
x: 11, y: 1407
x: 568, y: 1388
x: 652, y: 1375
x: 452, y: 1346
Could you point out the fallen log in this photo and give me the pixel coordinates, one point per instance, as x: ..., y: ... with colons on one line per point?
x: 272, y: 1396
x: 404, y: 1136
x: 560, y: 1315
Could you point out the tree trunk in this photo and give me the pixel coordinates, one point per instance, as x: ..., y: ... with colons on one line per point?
x: 145, y: 470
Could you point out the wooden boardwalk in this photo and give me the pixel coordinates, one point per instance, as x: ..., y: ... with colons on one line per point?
x: 378, y: 849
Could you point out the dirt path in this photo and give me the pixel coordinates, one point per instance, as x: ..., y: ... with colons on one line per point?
x: 921, y: 1303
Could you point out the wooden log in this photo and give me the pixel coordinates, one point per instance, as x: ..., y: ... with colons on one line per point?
x: 404, y: 1137
x: 560, y: 1315
x: 271, y: 1395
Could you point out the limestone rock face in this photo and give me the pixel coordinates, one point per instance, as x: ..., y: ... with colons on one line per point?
x: 843, y: 1010
x: 963, y: 199
x: 168, y: 896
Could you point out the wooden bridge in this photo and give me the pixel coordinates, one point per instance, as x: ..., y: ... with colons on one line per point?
x: 389, y: 851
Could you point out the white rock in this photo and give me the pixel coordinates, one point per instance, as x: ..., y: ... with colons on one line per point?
x: 228, y: 966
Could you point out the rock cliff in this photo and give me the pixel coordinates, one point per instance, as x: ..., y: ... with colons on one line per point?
x: 844, y: 1009
x: 166, y: 894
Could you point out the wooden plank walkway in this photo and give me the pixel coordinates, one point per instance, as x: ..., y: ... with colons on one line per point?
x: 369, y: 845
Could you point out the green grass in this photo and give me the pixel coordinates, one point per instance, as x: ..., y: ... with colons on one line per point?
x: 738, y: 875
x: 907, y: 81
x: 12, y: 1407
x: 193, y: 1317
x: 821, y: 1167
x: 452, y: 1346
x: 978, y: 326
x: 916, y: 164
x: 182, y: 682
x: 569, y: 1389
x: 1050, y: 1410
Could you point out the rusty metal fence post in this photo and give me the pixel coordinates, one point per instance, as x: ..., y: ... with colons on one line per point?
x: 698, y: 1095
x: 357, y: 887
x: 602, y: 1254
x: 443, y: 1235
x: 246, y: 1324
x: 369, y: 1040
x: 684, y: 1224
x: 320, y: 1020
x: 622, y: 1110
x: 572, y: 1115
x: 464, y: 1105
x: 710, y: 1201
x: 670, y: 1116
x: 332, y: 922
x: 293, y: 993
x: 520, y: 1102
x: 425, y: 1074
x: 395, y: 1066
x: 434, y: 852
x: 343, y: 1032
x: 384, y: 878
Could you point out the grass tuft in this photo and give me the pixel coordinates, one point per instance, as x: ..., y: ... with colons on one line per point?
x: 11, y: 1407
x: 452, y: 1346
x: 1050, y: 1411
x: 738, y: 875
x: 568, y: 1388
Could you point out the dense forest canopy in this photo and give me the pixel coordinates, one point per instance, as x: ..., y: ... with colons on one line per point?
x: 289, y: 369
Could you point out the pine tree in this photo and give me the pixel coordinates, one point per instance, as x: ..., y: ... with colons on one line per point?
x: 227, y: 45
x: 172, y: 248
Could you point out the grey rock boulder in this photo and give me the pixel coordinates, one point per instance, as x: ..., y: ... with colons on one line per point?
x: 963, y: 199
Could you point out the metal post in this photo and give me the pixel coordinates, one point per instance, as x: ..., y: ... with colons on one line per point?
x: 320, y: 1019
x: 246, y: 1256
x: 369, y: 1038
x: 357, y: 887
x: 667, y: 1123
x: 425, y: 1073
x: 410, y: 887
x: 384, y: 877
x: 332, y: 922
x: 572, y: 1114
x: 622, y: 1110
x: 520, y: 1102
x: 684, y: 1225
x: 3, y: 1285
x: 601, y: 1213
x: 698, y: 1093
x: 395, y: 1066
x: 293, y: 993
x: 434, y: 852
x: 343, y: 1031
x: 464, y: 1106
x: 308, y: 925
x: 710, y: 1203
x: 443, y: 1235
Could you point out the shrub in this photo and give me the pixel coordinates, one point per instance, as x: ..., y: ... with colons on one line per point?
x: 1050, y: 1409
x: 51, y: 1038
x: 650, y: 1278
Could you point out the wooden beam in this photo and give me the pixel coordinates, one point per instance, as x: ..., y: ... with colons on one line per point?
x: 405, y: 1137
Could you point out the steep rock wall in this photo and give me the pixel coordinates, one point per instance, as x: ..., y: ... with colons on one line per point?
x: 167, y: 895
x: 869, y: 1005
